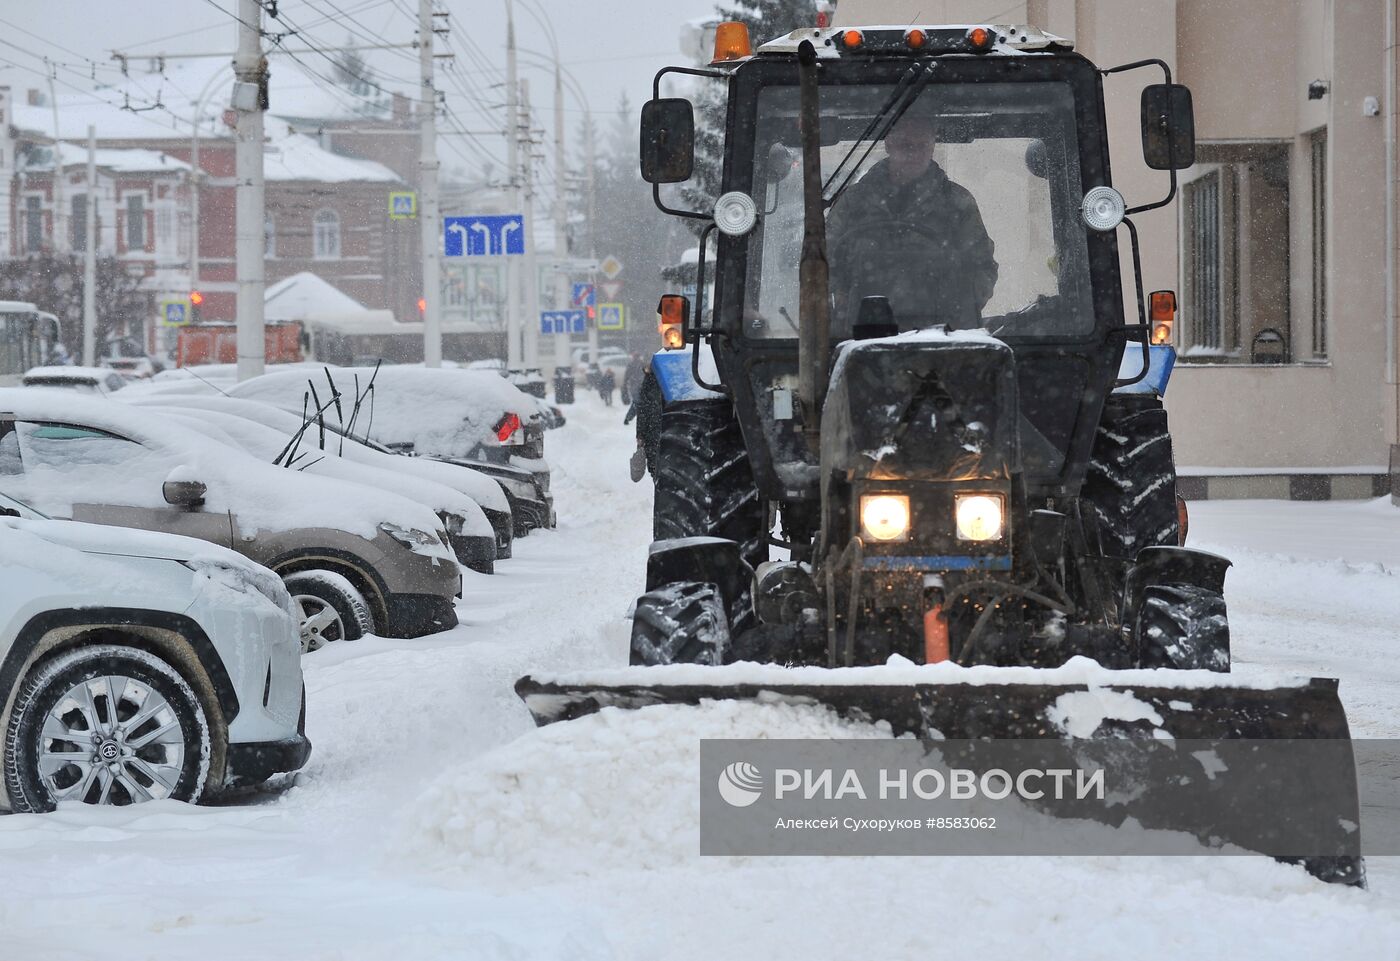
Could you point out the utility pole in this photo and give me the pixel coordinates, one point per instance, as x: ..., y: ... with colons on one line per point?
x: 530, y: 321
x: 428, y: 214
x: 592, y: 226
x: 513, y: 312
x: 90, y: 256
x: 562, y: 289
x: 249, y: 100
x: 60, y: 215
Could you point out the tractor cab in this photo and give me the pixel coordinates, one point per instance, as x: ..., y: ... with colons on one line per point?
x: 964, y: 184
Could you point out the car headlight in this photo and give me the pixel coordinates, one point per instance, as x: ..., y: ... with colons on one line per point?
x: 410, y: 537
x: 980, y: 517
x: 244, y: 579
x: 885, y: 517
x: 455, y: 523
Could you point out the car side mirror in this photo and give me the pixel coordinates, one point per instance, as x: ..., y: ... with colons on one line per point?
x: 667, y: 141
x: 1168, y: 127
x: 186, y: 494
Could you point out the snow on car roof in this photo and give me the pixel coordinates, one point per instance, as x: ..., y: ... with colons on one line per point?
x: 261, y: 496
x: 448, y: 412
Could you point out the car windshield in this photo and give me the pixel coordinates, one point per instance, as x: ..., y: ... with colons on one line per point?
x: 964, y: 215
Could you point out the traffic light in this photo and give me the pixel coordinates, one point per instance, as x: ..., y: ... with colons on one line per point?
x: 422, y: 305
x: 196, y: 298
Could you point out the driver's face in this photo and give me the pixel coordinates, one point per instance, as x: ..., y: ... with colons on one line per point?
x: 910, y: 148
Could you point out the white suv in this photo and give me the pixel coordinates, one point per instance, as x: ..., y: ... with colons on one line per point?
x: 137, y: 665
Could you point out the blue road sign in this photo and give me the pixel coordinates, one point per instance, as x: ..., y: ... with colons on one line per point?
x: 484, y: 236
x: 174, y: 314
x: 585, y: 295
x: 563, y: 322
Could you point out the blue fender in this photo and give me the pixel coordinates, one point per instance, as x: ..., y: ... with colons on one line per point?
x: 672, y: 369
x: 1161, y: 358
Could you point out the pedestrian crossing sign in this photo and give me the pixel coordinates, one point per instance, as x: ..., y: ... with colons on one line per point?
x: 611, y: 316
x: 403, y: 205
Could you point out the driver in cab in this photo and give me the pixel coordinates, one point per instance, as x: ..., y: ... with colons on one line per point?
x: 907, y: 232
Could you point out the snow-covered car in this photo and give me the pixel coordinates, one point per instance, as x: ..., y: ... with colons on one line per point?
x: 461, y: 416
x: 137, y: 666
x: 470, y: 533
x: 356, y: 559
x: 89, y: 380
x: 468, y: 414
x: 489, y: 494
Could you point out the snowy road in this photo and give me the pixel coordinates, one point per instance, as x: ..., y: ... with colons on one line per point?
x: 411, y: 836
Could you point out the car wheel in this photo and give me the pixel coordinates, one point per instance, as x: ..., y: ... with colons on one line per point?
x: 105, y: 724
x: 331, y: 608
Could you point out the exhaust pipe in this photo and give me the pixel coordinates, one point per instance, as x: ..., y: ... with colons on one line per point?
x: 814, y: 304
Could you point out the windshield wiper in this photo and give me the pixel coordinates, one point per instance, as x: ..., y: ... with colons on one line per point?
x: 887, y: 117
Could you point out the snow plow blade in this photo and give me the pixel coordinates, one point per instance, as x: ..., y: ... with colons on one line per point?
x: 1300, y: 726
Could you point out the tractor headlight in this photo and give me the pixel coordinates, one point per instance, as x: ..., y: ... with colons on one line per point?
x: 980, y: 517
x: 885, y: 517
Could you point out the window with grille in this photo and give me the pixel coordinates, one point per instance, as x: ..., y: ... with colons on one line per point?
x: 1319, y: 243
x: 1205, y: 263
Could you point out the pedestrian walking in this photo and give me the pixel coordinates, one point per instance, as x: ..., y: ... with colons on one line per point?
x: 607, y: 383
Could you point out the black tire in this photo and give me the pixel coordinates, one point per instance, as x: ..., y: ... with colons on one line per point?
x: 50, y: 681
x: 682, y: 623
x: 1131, y: 479
x: 353, y: 618
x: 1185, y: 627
x: 704, y: 481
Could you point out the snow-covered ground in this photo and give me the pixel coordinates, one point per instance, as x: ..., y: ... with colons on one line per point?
x: 434, y: 821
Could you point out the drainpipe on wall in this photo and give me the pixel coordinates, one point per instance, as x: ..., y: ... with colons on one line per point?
x: 1390, y: 52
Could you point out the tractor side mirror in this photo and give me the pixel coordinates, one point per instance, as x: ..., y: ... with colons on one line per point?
x: 185, y: 494
x: 668, y: 141
x: 1168, y: 127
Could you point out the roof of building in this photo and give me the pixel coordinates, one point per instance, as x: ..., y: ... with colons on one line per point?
x: 114, y: 159
x: 294, y: 156
x: 304, y: 295
x: 126, y: 110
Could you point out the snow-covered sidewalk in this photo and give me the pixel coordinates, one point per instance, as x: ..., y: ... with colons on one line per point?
x: 435, y: 822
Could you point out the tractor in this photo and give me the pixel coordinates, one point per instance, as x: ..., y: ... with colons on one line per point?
x: 910, y: 419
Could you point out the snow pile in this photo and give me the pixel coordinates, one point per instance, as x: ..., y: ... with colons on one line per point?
x: 617, y: 790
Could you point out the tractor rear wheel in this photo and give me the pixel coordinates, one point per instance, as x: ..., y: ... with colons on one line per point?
x: 705, y: 488
x: 704, y: 482
x: 1131, y: 480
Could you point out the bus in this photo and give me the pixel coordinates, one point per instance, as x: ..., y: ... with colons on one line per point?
x: 27, y: 337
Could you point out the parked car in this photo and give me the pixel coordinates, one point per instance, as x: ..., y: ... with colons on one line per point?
x: 89, y: 380
x: 355, y: 559
x: 461, y: 416
x: 470, y: 533
x: 489, y: 494
x: 456, y: 413
x: 138, y: 666
x: 412, y: 420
